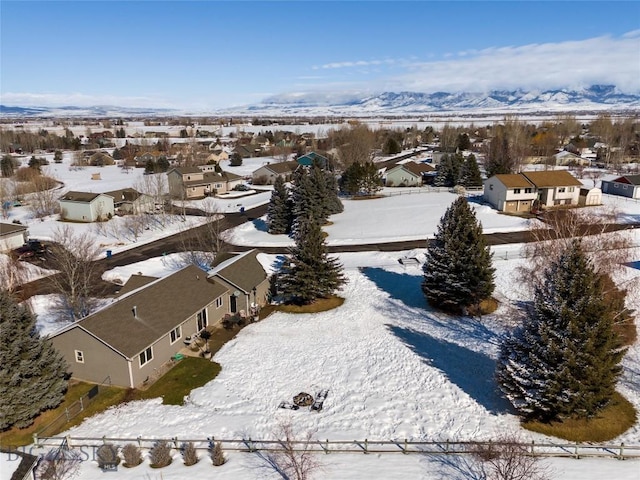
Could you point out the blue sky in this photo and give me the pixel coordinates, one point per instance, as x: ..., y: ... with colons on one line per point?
x: 213, y: 54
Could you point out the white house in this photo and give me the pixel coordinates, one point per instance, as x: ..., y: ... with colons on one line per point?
x: 510, y: 192
x: 86, y: 206
x: 129, y: 200
x: 519, y: 192
x: 12, y: 236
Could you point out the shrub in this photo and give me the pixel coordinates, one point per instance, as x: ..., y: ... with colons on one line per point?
x: 160, y: 454
x: 132, y: 455
x: 189, y: 454
x: 107, y: 454
x: 217, y: 455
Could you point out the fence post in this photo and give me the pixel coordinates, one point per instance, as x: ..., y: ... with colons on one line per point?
x: 175, y: 442
x: 139, y: 441
x: 35, y: 440
x: 446, y: 446
x: 66, y: 412
x: 366, y: 446
x: 405, y: 447
x: 533, y: 450
x: 81, y: 404
x: 575, y: 451
x: 326, y: 450
x: 621, y: 456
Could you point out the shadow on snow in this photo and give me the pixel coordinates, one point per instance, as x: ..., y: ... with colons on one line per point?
x: 471, y: 371
x: 399, y: 286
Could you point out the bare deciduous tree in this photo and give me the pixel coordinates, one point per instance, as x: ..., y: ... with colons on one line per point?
x: 13, y: 273
x: 73, y: 255
x: 295, y: 459
x: 509, y: 459
x: 59, y: 464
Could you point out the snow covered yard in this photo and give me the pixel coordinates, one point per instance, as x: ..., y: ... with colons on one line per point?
x: 394, y: 369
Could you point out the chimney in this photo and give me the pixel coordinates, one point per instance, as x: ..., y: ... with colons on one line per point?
x: 135, y: 311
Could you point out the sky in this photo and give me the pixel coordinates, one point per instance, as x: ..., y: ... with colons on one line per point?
x: 207, y: 55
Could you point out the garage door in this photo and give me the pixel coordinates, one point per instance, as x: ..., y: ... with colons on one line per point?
x: 511, y: 206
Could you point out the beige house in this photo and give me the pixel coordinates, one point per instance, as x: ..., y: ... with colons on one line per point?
x: 12, y: 236
x: 130, y: 201
x: 555, y: 187
x: 193, y: 182
x: 86, y: 206
x: 267, y: 173
x: 518, y: 192
x: 133, y: 338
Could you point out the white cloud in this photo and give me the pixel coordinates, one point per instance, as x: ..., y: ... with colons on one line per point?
x: 570, y: 64
x: 79, y: 100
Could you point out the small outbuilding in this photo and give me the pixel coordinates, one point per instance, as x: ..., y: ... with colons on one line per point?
x: 589, y: 197
x: 12, y: 236
x: 86, y: 207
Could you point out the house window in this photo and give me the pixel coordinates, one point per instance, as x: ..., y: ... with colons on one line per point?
x: 175, y: 334
x: 218, y: 302
x: 491, y: 187
x: 79, y: 356
x: 615, y: 185
x: 562, y: 190
x: 516, y: 190
x: 571, y: 189
x: 202, y: 319
x: 527, y: 190
x: 146, y: 356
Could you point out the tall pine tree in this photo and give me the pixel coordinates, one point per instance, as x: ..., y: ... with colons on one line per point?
x: 32, y: 374
x: 279, y: 209
x: 458, y: 272
x: 470, y: 175
x: 565, y: 358
x: 308, y: 272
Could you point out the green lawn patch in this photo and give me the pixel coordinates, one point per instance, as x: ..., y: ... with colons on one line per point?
x: 612, y: 421
x: 173, y: 386
x: 319, y: 305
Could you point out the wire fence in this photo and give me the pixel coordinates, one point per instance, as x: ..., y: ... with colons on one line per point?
x: 57, y: 424
x: 403, y: 446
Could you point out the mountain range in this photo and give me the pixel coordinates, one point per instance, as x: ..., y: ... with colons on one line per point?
x: 596, y: 98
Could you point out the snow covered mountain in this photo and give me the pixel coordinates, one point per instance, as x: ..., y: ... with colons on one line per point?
x: 596, y: 98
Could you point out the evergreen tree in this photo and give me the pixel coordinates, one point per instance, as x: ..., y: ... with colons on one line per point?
x: 458, y: 271
x: 449, y: 170
x: 391, y: 146
x: 499, y: 159
x: 470, y: 175
x: 279, y: 209
x: 32, y: 374
x: 350, y: 179
x: 308, y: 272
x: 371, y: 180
x: 163, y: 164
x: 150, y: 167
x: 57, y: 156
x: 463, y: 142
x: 361, y: 179
x: 7, y: 166
x: 565, y: 358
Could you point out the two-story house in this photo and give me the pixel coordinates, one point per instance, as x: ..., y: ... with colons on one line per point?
x: 195, y: 182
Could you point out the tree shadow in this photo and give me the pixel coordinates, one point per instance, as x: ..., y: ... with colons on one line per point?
x: 403, y: 287
x: 471, y: 371
x: 261, y: 225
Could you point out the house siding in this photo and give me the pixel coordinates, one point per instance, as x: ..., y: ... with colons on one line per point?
x: 13, y: 240
x: 399, y: 177
x: 100, y: 361
x: 621, y: 189
x: 101, y: 206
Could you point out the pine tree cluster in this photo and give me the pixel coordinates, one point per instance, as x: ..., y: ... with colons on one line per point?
x: 33, y: 375
x: 458, y: 272
x: 564, y: 360
x: 455, y: 169
x: 361, y: 179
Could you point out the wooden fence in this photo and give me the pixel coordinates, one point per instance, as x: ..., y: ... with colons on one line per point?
x: 366, y: 446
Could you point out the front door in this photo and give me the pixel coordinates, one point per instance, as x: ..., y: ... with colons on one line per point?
x: 233, y: 303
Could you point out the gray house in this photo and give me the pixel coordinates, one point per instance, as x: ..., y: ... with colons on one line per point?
x: 267, y: 174
x: 625, y: 186
x: 129, y: 200
x: 133, y: 338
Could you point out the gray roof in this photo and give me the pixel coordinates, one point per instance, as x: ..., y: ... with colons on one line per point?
x: 243, y: 270
x: 9, y: 228
x: 185, y: 170
x: 630, y: 179
x: 280, y: 168
x: 160, y: 307
x: 26, y: 465
x: 85, y: 197
x: 124, y: 195
x: 135, y: 282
